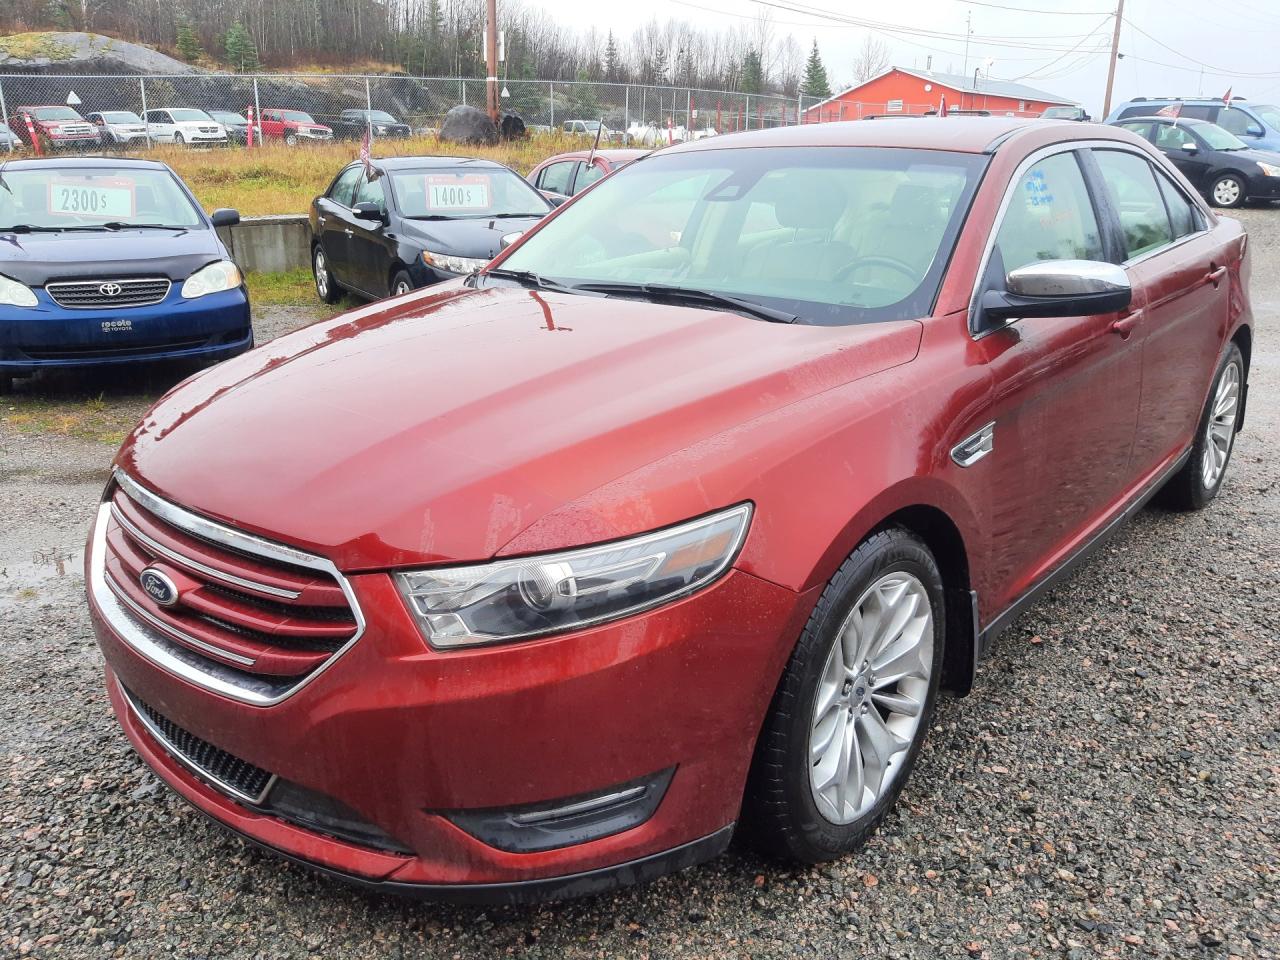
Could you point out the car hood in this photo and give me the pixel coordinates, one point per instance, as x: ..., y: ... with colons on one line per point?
x: 437, y: 427
x: 1257, y: 156
x: 35, y: 258
x: 480, y: 239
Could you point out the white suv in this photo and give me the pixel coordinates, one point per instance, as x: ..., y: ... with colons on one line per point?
x: 184, y: 125
x: 119, y: 126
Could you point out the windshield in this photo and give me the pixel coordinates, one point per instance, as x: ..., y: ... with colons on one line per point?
x: 377, y: 116
x: 1219, y: 139
x: 832, y: 234
x: 1067, y: 112
x: 73, y: 197
x: 226, y: 116
x: 1267, y: 114
x: 297, y: 116
x: 121, y: 116
x: 182, y: 116
x: 55, y: 113
x: 463, y: 193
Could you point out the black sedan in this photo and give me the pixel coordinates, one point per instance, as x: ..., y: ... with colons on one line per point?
x: 419, y: 221
x: 351, y: 125
x: 236, y: 124
x: 1218, y: 163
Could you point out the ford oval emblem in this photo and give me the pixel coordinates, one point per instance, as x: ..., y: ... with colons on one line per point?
x: 109, y: 289
x: 158, y: 587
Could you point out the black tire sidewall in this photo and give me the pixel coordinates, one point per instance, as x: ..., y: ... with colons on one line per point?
x: 397, y: 277
x: 808, y: 835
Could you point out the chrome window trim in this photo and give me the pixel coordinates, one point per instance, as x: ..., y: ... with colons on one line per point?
x: 172, y: 750
x: 1012, y: 188
x: 196, y: 565
x: 170, y: 656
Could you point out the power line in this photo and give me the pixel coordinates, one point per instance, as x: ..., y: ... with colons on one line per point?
x: 1046, y: 13
x: 1105, y: 19
x: 1200, y: 63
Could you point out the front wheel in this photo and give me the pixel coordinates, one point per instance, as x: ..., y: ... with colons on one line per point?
x: 1228, y: 191
x: 401, y: 284
x: 851, y: 711
x: 291, y: 140
x: 1200, y: 478
x: 178, y: 139
x: 327, y: 288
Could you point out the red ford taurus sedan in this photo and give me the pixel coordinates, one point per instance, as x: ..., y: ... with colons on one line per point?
x: 542, y: 581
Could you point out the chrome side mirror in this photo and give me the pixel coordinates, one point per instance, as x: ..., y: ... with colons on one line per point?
x: 1060, y: 288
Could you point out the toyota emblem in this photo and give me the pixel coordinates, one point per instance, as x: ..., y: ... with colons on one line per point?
x: 109, y: 289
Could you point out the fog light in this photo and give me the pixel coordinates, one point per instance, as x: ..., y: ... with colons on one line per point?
x: 564, y: 822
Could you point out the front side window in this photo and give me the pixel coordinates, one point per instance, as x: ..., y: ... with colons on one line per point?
x: 588, y: 176
x: 1136, y: 196
x: 370, y: 191
x: 1049, y: 217
x: 1170, y: 136
x: 556, y: 176
x: 1236, y: 121
x: 342, y: 188
x: 82, y: 198
x: 832, y: 235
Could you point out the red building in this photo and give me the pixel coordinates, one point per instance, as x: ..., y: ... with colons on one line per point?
x: 903, y: 91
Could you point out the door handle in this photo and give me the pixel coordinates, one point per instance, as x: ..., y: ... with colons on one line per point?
x: 347, y: 231
x: 1215, y: 275
x: 1124, y: 325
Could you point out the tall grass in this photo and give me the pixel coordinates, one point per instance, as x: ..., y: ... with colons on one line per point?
x: 276, y: 178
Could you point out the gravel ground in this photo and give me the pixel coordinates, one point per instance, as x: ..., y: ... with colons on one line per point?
x: 1109, y: 790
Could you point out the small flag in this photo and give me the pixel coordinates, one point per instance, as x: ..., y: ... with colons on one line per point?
x: 1226, y: 97
x: 365, y: 158
x: 942, y: 106
x: 1172, y: 110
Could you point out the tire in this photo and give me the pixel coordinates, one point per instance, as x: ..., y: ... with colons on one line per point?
x: 178, y: 140
x: 401, y: 283
x: 1228, y: 191
x: 6, y: 384
x: 327, y: 288
x: 1192, y: 487
x: 786, y: 810
x: 291, y: 140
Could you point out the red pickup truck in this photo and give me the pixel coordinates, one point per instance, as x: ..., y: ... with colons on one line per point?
x: 292, y: 126
x: 56, y: 127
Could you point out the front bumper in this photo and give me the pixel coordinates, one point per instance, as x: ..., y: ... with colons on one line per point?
x: 1264, y: 188
x: 411, y: 734
x: 47, y: 335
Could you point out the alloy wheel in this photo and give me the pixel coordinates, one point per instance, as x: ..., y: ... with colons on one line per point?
x: 1220, y: 430
x: 1226, y: 192
x: 870, y: 697
x: 321, y: 270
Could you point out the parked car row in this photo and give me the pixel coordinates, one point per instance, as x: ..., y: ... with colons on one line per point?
x: 678, y: 515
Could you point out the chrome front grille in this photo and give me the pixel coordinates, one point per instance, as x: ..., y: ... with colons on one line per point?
x: 248, y: 618
x: 108, y: 293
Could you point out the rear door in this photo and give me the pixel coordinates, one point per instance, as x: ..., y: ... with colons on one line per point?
x: 160, y: 125
x: 335, y: 224
x: 1181, y: 267
x: 1063, y: 405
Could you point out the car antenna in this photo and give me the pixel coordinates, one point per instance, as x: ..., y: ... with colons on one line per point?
x: 599, y: 129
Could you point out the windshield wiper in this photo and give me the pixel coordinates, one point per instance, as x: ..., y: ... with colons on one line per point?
x: 32, y: 228
x: 709, y: 297
x: 121, y: 225
x: 528, y: 278
x: 433, y: 216
x: 522, y: 216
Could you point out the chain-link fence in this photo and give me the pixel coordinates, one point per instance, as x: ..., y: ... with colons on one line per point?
x: 639, y: 114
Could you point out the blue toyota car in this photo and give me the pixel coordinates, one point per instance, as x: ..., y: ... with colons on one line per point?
x: 109, y: 261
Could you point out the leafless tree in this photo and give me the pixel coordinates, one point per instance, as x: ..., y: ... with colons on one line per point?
x: 871, y: 60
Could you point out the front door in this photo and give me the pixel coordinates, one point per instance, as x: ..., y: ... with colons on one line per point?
x: 370, y: 248
x: 1063, y: 399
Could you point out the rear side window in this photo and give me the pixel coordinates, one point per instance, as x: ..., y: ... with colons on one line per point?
x: 1132, y: 184
x: 1183, y: 217
x: 340, y: 192
x: 556, y: 177
x: 1198, y: 113
x: 1142, y: 110
x: 1141, y: 127
x: 588, y: 176
x: 1050, y: 217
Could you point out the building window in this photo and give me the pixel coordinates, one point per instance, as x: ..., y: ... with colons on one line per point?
x: 893, y: 106
x: 1022, y: 104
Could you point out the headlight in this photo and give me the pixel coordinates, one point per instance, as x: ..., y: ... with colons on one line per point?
x: 443, y: 261
x: 15, y: 294
x: 216, y: 277
x: 380, y: 129
x: 535, y: 596
x: 1270, y: 170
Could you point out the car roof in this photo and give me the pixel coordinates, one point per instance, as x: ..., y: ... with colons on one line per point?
x: 612, y: 154
x: 84, y: 163
x: 410, y: 163
x: 958, y: 134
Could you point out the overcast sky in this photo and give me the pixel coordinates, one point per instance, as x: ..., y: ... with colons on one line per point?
x: 1048, y: 50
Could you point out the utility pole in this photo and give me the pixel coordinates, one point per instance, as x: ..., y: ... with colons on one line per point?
x: 968, y: 29
x: 1115, y: 55
x: 491, y: 59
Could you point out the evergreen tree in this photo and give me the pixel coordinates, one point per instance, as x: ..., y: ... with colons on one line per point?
x: 659, y: 66
x: 815, y: 82
x: 752, y: 73
x: 188, y: 43
x: 241, y: 52
x: 612, y: 61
